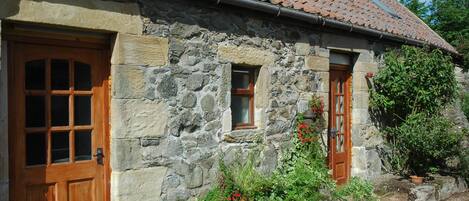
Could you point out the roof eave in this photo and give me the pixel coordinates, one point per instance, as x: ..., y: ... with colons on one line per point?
x: 331, y: 23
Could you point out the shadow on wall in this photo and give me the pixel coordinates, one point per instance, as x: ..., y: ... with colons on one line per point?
x: 235, y: 21
x: 10, y: 8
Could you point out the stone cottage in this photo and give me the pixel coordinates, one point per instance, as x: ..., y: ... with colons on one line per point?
x: 137, y: 100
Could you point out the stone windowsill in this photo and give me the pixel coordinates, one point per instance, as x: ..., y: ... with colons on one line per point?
x: 244, y: 136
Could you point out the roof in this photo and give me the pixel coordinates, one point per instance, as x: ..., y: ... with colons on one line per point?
x: 383, y: 15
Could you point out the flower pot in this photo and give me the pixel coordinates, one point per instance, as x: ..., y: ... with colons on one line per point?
x: 416, y: 179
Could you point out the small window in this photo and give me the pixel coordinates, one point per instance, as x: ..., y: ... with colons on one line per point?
x: 386, y: 8
x: 242, y: 97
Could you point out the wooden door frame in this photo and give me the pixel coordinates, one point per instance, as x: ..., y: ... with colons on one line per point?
x: 348, y: 110
x: 14, y: 37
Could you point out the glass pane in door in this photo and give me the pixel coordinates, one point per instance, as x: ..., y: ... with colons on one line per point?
x: 60, y: 147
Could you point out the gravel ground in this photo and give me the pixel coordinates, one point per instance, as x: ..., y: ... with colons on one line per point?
x: 459, y: 197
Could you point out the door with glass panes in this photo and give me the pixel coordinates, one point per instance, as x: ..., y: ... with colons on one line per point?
x: 58, y: 108
x: 339, y: 123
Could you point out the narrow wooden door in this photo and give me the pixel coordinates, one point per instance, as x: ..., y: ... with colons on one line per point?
x: 58, y: 108
x: 339, y: 125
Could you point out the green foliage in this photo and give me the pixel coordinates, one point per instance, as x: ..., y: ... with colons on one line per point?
x: 449, y: 18
x: 419, y: 8
x: 423, y: 143
x: 302, y: 175
x: 465, y: 105
x: 357, y: 190
x: 415, y: 80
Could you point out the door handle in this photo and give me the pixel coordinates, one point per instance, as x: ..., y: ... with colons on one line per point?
x: 333, y: 133
x: 99, y: 156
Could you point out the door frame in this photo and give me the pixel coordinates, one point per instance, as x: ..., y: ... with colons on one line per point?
x: 348, y: 113
x: 13, y: 37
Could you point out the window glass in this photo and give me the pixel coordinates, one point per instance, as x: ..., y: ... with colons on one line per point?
x: 35, y: 73
x: 240, y: 109
x: 240, y: 79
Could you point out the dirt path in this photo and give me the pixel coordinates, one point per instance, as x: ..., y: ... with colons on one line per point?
x: 459, y: 197
x: 404, y: 197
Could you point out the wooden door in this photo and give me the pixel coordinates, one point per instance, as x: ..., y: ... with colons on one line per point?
x: 339, y: 125
x: 58, y: 121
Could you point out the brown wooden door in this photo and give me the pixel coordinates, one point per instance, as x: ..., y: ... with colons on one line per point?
x: 339, y: 125
x: 58, y: 120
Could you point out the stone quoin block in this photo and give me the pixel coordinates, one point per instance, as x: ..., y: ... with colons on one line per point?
x: 317, y: 63
x: 140, y: 50
x: 143, y: 184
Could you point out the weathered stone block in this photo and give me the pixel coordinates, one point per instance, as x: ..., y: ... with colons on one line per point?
x: 189, y: 100
x: 365, y: 67
x: 360, y: 82
x: 373, y: 164
x: 128, y: 82
x: 143, y: 185
x: 138, y: 118
x: 243, y: 136
x: 140, y: 50
x: 323, y: 84
x: 195, y: 82
x: 167, y: 87
x: 360, y: 116
x: 302, y: 48
x: 226, y: 121
x: 360, y: 100
x: 208, y: 103
x: 245, y: 55
x: 422, y: 193
x: 317, y: 63
x: 100, y: 15
x: 195, y: 179
x: 359, y: 158
x: 126, y: 154
x: 262, y: 88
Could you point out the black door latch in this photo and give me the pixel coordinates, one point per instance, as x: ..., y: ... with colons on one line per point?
x: 99, y: 156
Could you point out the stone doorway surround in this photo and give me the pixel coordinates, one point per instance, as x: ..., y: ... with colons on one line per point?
x: 120, y: 19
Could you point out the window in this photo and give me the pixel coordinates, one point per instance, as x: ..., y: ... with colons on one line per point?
x: 386, y: 8
x: 242, y: 97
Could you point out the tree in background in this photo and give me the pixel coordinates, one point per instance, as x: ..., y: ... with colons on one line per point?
x: 450, y: 18
x: 421, y: 9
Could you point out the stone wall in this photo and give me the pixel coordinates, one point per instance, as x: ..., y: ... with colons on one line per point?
x: 171, y: 84
x: 171, y: 118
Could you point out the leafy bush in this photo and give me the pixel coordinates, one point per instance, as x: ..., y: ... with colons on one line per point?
x: 302, y: 174
x: 356, y: 189
x: 415, y: 80
x: 424, y: 142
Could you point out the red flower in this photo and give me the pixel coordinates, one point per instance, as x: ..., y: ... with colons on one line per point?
x: 237, y: 194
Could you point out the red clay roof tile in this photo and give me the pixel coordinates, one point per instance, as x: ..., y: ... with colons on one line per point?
x: 365, y: 13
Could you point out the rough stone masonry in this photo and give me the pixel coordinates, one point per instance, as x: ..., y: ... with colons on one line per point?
x: 171, y: 84
x: 171, y: 117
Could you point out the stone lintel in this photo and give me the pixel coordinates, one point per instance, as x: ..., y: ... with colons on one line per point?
x: 245, y: 55
x: 140, y: 50
x: 317, y: 63
x: 89, y: 14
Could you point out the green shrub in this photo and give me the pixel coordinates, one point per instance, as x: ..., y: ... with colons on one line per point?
x: 301, y: 175
x: 415, y: 80
x: 356, y: 189
x: 424, y: 142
